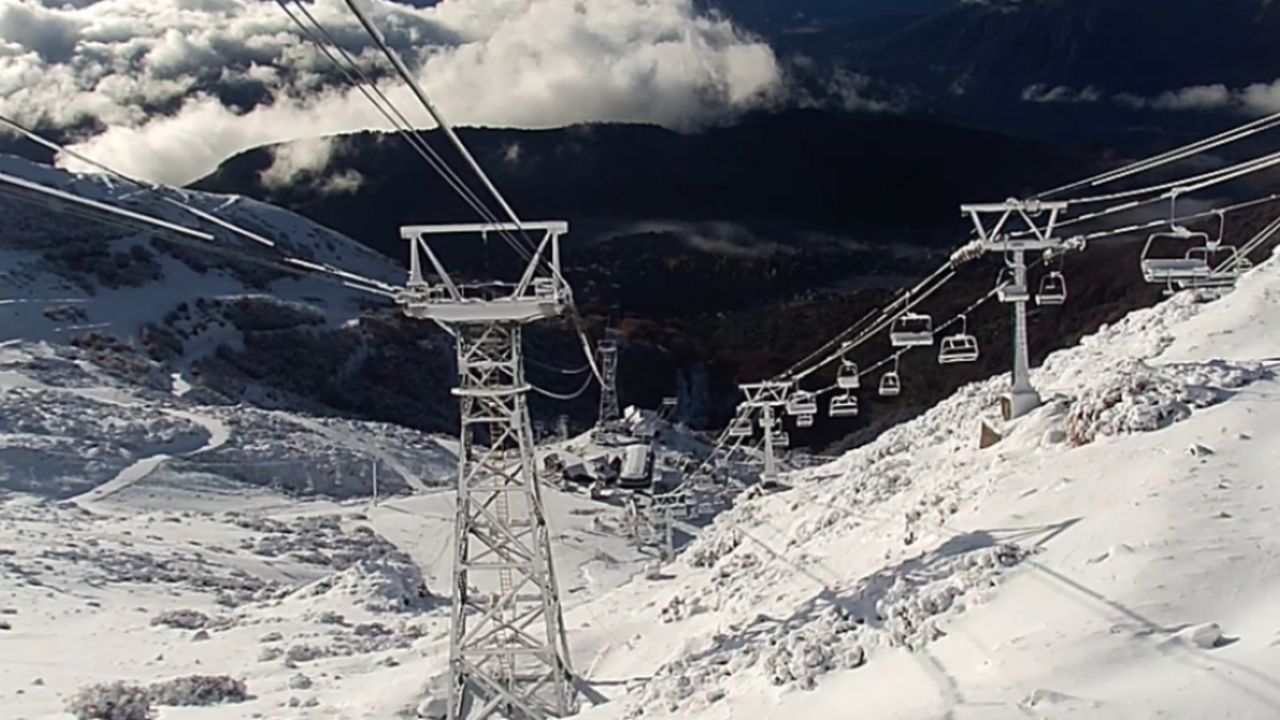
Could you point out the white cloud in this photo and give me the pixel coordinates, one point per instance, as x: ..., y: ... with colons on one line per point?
x: 1043, y: 94
x: 1262, y: 98
x: 857, y: 92
x: 293, y: 160
x: 1257, y: 99
x: 1199, y: 97
x: 162, y: 76
x: 343, y: 183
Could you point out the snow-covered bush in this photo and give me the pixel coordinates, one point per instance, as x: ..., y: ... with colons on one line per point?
x: 269, y: 654
x: 912, y: 605
x: 1134, y: 397
x: 199, y: 691
x: 181, y: 619
x: 721, y: 540
x: 392, y: 584
x: 305, y: 653
x: 111, y: 701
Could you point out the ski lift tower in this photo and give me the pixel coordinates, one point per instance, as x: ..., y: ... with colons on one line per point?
x: 508, y: 655
x: 610, y: 412
x: 1014, y: 228
x: 767, y: 398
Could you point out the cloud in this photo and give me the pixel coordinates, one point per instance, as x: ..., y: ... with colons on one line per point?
x: 712, y: 237
x: 42, y: 31
x: 859, y: 93
x: 1043, y: 94
x: 167, y: 89
x: 297, y: 159
x: 1256, y: 99
x: 1262, y: 98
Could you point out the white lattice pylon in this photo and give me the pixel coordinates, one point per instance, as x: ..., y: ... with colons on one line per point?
x: 508, y: 655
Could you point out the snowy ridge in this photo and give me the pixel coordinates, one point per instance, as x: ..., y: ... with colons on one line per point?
x: 64, y: 275
x: 1145, y: 454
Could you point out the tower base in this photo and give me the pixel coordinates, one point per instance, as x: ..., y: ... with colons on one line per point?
x: 1017, y: 403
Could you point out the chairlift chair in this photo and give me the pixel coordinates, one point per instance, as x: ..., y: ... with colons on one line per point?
x: 912, y: 330
x: 804, y: 421
x: 847, y: 377
x: 1222, y: 274
x: 741, y: 427
x: 781, y: 439
x: 959, y: 348
x: 845, y: 405
x: 1191, y: 267
x: 1053, y: 289
x: 891, y: 382
x: 802, y: 402
x: 1008, y: 292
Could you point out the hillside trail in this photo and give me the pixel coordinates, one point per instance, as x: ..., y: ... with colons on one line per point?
x: 143, y: 467
x: 355, y: 443
x: 218, y: 434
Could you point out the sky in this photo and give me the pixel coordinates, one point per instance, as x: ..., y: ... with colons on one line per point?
x: 167, y: 89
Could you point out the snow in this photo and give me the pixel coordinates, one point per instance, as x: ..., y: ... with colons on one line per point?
x: 1089, y: 565
x: 1114, y: 556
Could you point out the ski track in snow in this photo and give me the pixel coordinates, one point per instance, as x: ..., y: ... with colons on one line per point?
x: 140, y: 469
x: 371, y: 448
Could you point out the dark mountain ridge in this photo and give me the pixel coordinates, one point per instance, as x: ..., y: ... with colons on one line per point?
x: 1066, y: 71
x: 769, y: 193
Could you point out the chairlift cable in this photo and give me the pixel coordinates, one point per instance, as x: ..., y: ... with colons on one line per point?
x: 1171, y: 156
x: 1236, y: 172
x: 797, y: 370
x: 35, y: 193
x: 420, y: 93
x: 556, y: 369
x: 162, y: 192
x: 1253, y: 244
x: 355, y: 76
x: 908, y: 302
x: 1227, y: 173
x: 1162, y: 222
x: 564, y: 397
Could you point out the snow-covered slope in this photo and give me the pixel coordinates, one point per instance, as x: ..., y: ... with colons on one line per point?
x: 124, y: 357
x: 1115, y: 556
x: 117, y: 280
x: 165, y: 315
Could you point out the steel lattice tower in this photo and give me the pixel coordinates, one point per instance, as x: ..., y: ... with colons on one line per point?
x: 508, y: 655
x: 609, y: 409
